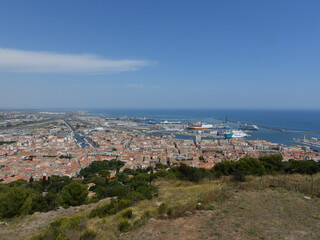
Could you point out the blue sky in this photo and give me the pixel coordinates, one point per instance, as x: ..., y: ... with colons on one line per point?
x: 160, y: 54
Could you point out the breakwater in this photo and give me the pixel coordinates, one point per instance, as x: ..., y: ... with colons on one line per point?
x: 271, y: 128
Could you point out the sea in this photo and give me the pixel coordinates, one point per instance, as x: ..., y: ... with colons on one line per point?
x: 297, y: 120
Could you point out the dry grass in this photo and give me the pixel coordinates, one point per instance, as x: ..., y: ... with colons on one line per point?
x: 180, y: 196
x: 305, y: 184
x: 249, y: 210
x: 27, y: 226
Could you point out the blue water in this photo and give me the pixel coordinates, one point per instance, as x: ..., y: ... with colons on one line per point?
x: 303, y: 120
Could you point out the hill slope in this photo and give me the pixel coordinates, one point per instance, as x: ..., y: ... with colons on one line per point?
x: 267, y: 214
x: 260, y: 208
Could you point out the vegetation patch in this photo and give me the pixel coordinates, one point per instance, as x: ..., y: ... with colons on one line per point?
x: 210, y: 206
x: 110, y: 208
x: 64, y: 228
x: 88, y: 235
x: 124, y: 226
x: 127, y: 213
x: 7, y: 142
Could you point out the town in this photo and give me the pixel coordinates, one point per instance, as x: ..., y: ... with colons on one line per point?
x: 63, y: 144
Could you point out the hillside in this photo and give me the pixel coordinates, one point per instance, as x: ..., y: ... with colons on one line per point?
x: 27, y: 226
x: 265, y: 207
x: 267, y: 214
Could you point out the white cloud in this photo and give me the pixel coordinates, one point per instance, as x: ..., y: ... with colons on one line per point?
x: 133, y: 85
x: 12, y: 60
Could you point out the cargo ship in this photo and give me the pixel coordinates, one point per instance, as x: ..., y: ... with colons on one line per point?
x: 200, y: 125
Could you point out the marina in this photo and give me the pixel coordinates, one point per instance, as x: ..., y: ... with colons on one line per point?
x: 312, y: 142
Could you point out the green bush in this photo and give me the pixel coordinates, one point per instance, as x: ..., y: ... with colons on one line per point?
x: 96, y: 166
x: 63, y: 228
x: 103, y: 210
x: 146, y: 214
x: 249, y: 166
x: 127, y: 213
x: 74, y: 194
x: 124, y: 226
x: 114, y: 190
x: 134, y: 196
x: 148, y: 192
x: 272, y: 163
x: 124, y: 203
x: 110, y: 208
x: 170, y: 176
x: 162, y: 208
x: 88, y: 235
x: 210, y: 206
x: 138, y: 223
x: 93, y: 199
x: 238, y: 176
x: 17, y: 201
x: 169, y: 211
x: 64, y: 223
x: 160, y: 166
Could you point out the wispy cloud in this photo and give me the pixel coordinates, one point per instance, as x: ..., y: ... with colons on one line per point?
x: 133, y: 85
x: 140, y: 86
x: 12, y: 60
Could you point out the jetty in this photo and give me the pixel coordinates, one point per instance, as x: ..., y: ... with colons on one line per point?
x: 271, y: 128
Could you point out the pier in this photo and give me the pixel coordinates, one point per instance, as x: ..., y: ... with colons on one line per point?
x: 271, y: 128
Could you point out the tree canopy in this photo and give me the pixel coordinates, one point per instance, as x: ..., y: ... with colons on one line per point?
x: 74, y: 194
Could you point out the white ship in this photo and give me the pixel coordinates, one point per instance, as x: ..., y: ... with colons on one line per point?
x: 236, y: 134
